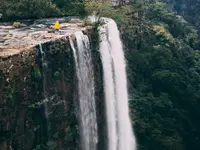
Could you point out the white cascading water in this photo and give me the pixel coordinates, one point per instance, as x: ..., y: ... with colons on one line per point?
x: 44, y: 66
x: 86, y: 91
x: 120, y: 134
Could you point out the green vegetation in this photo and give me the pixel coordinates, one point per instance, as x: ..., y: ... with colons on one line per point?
x: 162, y: 51
x: 27, y: 9
x: 33, y: 9
x: 189, y: 9
x: 100, y: 9
x: 163, y: 64
x: 163, y: 60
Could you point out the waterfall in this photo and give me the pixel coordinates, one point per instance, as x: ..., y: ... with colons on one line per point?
x: 120, y: 134
x: 86, y: 93
x: 44, y: 68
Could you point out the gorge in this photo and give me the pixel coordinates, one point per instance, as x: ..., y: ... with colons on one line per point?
x: 63, y: 90
x: 53, y: 90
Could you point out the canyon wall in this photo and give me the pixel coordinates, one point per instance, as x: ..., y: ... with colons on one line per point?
x: 38, y: 96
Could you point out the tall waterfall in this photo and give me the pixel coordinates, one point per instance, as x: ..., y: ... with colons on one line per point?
x: 44, y: 68
x: 86, y: 93
x: 120, y: 134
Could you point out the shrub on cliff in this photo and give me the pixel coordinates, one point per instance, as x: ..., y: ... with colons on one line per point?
x: 18, y: 25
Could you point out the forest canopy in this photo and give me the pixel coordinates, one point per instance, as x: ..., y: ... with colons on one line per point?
x: 33, y: 9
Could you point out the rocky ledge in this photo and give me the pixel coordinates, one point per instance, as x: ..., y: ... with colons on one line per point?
x: 15, y: 40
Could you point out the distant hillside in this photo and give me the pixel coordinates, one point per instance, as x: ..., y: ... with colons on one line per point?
x: 190, y: 9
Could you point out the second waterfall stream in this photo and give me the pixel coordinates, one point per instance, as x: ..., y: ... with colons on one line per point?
x: 120, y: 135
x: 86, y: 93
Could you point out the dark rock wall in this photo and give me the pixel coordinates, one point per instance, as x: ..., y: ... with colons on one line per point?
x: 15, y: 84
x: 36, y: 101
x: 38, y: 98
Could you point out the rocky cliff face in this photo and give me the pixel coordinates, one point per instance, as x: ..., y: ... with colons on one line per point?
x: 37, y: 84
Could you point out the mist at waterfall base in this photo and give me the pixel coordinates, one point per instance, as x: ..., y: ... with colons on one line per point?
x: 119, y: 129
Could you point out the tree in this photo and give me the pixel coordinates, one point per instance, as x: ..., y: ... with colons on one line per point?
x: 36, y: 9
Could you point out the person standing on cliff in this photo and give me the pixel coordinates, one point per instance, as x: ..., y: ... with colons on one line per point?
x: 56, y: 26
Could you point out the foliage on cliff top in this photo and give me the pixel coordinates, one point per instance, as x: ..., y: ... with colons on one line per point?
x: 28, y: 9
x: 33, y: 9
x: 105, y: 9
